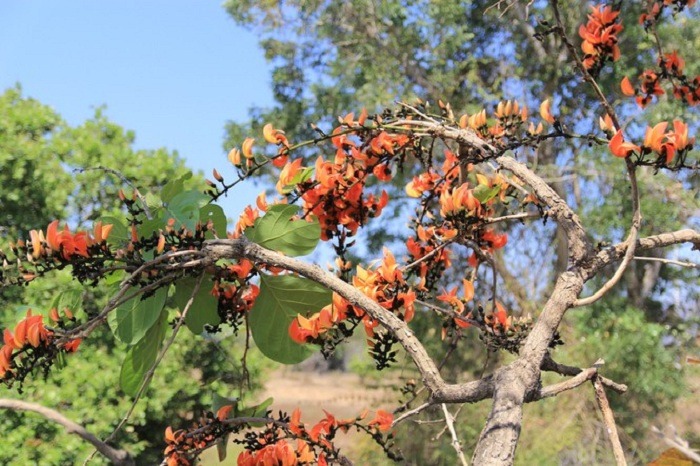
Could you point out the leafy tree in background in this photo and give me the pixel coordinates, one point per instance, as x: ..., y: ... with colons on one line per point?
x: 38, y: 153
x: 472, y: 174
x: 331, y: 56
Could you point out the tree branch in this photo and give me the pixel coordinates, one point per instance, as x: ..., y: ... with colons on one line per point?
x: 609, y: 420
x: 449, y: 421
x: 118, y: 457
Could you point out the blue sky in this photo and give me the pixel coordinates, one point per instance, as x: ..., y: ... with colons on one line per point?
x: 173, y: 71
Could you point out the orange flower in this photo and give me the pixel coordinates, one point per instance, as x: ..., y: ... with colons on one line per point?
x: 274, y: 136
x: 287, y: 175
x: 680, y: 135
x: 382, y: 420
x: 223, y: 412
x: 234, y: 156
x: 546, y: 112
x: 627, y: 87
x: 247, y: 147
x: 501, y: 315
x: 619, y: 147
x: 654, y: 136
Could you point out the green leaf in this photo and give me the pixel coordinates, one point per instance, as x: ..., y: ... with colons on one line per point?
x: 257, y: 410
x: 174, y: 187
x: 115, y: 277
x: 130, y: 321
x: 303, y: 175
x: 141, y: 356
x: 184, y: 208
x: 281, y: 298
x: 204, y: 308
x: 276, y: 231
x: 484, y: 194
x: 150, y: 226
x: 119, y: 234
x: 216, y: 214
x: 72, y: 299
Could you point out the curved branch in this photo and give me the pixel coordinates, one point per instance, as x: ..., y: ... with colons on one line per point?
x: 118, y: 457
x: 616, y: 252
x: 242, y: 248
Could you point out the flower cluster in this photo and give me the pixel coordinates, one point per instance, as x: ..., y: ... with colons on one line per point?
x: 656, y: 7
x: 385, y: 285
x: 599, y: 36
x: 56, y: 249
x: 337, y: 194
x: 31, y: 345
x: 665, y: 145
x: 234, y: 292
x: 283, y: 441
x: 670, y: 68
x: 424, y: 245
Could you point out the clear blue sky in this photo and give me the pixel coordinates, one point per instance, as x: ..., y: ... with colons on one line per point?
x: 173, y: 71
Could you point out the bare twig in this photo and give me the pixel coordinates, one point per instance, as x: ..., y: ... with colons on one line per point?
x: 124, y: 180
x: 411, y: 412
x: 519, y: 216
x: 427, y: 256
x: 609, y: 420
x: 548, y: 364
x: 449, y: 421
x: 673, y: 440
x: 118, y: 457
x: 668, y: 261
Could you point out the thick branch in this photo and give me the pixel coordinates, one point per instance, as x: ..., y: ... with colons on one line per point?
x: 559, y: 210
x: 118, y: 457
x: 242, y: 248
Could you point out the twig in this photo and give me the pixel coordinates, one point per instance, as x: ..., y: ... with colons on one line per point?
x: 427, y: 256
x: 548, y: 364
x: 118, y: 457
x: 609, y: 420
x: 449, y: 312
x: 449, y: 421
x: 519, y: 216
x: 412, y: 412
x: 673, y: 440
x: 668, y: 261
x: 124, y: 179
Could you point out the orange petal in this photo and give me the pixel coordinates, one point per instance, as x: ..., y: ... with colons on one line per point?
x: 627, y: 87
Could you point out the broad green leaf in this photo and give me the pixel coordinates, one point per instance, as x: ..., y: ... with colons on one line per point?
x: 115, y: 277
x: 484, y: 194
x: 257, y: 410
x: 150, y: 226
x: 276, y: 231
x: 281, y: 299
x: 204, y: 308
x: 119, y: 234
x: 174, y: 187
x: 184, y: 208
x: 216, y: 214
x: 153, y: 201
x: 130, y: 321
x: 72, y: 299
x: 141, y: 356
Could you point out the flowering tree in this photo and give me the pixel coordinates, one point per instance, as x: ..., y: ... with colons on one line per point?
x: 468, y: 183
